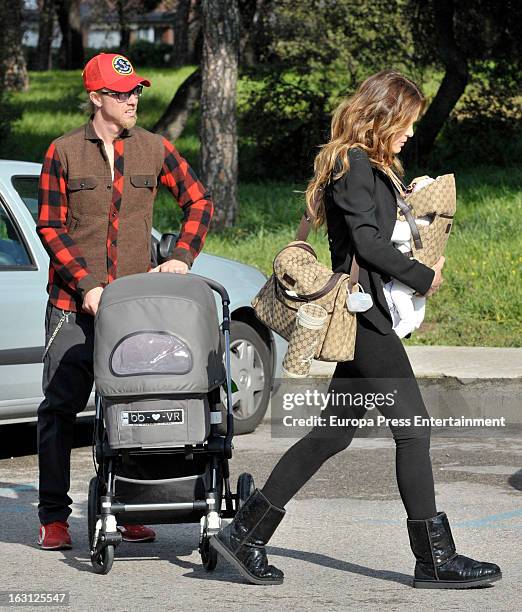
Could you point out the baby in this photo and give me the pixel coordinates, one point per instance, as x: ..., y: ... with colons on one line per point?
x: 407, y: 310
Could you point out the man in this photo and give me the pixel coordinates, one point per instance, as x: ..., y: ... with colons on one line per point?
x: 97, y: 189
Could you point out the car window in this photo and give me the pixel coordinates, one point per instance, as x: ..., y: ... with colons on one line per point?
x: 27, y: 188
x: 13, y: 253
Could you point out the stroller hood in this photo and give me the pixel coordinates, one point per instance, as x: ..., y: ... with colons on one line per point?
x: 157, y: 334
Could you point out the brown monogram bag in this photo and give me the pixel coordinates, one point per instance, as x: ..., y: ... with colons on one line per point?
x: 299, y: 278
x: 439, y: 201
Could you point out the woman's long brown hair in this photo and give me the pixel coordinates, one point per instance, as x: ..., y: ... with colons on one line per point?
x: 383, y: 105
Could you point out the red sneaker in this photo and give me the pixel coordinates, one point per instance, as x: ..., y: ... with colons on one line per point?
x: 55, y: 536
x: 136, y: 533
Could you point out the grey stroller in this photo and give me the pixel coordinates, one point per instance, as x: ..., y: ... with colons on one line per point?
x: 160, y: 450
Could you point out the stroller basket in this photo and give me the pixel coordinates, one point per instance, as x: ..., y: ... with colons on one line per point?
x: 155, y: 480
x: 154, y: 423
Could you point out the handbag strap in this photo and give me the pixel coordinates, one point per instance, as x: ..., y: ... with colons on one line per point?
x: 304, y: 227
x: 406, y: 211
x: 302, y: 234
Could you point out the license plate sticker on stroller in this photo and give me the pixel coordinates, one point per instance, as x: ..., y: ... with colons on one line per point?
x: 137, y: 418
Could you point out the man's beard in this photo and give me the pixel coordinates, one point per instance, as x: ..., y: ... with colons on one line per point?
x: 128, y: 122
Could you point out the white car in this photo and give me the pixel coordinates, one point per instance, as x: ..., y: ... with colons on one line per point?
x: 23, y: 278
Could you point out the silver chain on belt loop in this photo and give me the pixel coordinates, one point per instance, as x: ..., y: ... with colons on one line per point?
x: 63, y: 318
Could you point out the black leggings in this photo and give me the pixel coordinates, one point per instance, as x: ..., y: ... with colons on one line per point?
x: 382, y: 357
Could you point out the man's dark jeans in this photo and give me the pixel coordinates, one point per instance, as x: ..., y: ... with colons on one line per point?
x: 67, y: 384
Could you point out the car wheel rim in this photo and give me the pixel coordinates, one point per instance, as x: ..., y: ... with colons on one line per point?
x: 246, y: 368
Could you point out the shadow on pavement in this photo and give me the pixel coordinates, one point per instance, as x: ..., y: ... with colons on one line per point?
x: 515, y: 480
x: 316, y: 559
x: 18, y: 508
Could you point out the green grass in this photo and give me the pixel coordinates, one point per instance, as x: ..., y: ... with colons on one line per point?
x: 52, y: 106
x: 479, y: 302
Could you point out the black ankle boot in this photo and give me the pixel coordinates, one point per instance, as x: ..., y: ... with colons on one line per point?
x: 242, y: 542
x: 438, y: 564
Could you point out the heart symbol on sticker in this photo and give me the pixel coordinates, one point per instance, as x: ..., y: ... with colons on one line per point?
x: 156, y: 416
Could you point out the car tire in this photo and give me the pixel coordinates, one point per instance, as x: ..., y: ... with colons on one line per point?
x: 251, y: 364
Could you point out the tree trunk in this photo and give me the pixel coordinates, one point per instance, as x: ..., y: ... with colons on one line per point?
x: 172, y: 123
x: 124, y: 27
x: 456, y: 77
x: 250, y: 13
x: 195, y: 33
x: 197, y: 51
x: 71, y: 50
x: 181, y: 32
x: 45, y: 36
x: 218, y: 107
x: 8, y: 111
x: 14, y: 69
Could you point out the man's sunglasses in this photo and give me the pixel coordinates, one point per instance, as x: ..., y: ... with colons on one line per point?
x: 123, y: 96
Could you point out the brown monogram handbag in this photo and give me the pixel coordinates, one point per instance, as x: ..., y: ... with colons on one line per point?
x: 299, y: 278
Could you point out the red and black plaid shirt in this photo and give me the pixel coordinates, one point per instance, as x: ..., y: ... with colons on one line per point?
x: 67, y: 265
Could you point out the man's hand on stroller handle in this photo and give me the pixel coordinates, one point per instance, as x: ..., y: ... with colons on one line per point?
x: 172, y: 265
x: 92, y: 297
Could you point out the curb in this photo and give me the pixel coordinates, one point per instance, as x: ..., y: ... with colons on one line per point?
x: 459, y: 380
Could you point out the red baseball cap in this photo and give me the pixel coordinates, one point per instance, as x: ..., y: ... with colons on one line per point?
x: 111, y: 71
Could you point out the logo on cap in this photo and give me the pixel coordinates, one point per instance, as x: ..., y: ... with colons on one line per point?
x: 122, y: 65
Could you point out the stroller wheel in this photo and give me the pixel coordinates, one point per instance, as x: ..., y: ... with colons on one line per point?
x: 208, y: 554
x: 245, y: 488
x: 102, y: 561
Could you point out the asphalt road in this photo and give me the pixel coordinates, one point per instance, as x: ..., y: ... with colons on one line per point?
x: 342, y: 544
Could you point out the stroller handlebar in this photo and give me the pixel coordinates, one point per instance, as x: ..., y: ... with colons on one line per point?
x: 215, y: 287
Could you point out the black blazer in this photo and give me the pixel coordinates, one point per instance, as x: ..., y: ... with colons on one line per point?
x: 360, y: 214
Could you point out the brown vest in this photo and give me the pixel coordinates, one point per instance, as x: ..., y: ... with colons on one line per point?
x: 89, y: 192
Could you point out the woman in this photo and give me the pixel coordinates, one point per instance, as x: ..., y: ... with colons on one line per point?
x: 357, y: 171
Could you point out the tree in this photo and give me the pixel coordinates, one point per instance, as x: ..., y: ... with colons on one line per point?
x: 348, y: 38
x: 311, y: 54
x: 123, y: 13
x: 474, y: 42
x: 174, y: 118
x: 219, y: 71
x: 45, y: 35
x: 14, y: 69
x: 172, y: 123
x: 450, y: 90
x: 71, y: 50
x: 8, y: 111
x: 181, y: 33
x: 251, y: 13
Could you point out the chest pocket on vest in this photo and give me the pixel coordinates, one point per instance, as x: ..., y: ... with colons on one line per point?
x: 139, y: 194
x: 82, y: 184
x: 88, y: 195
x: 143, y: 180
